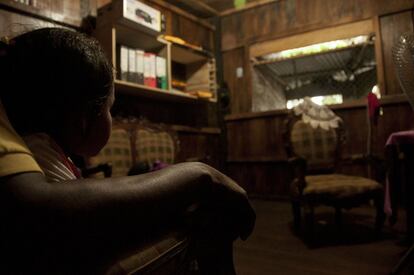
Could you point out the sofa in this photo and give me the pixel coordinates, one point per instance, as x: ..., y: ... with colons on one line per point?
x: 136, y: 145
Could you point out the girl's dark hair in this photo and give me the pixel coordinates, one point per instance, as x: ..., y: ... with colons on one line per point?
x: 48, y: 74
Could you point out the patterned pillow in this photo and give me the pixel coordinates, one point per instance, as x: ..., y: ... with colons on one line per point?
x: 317, y: 146
x: 338, y: 186
x: 117, y: 152
x: 152, y: 146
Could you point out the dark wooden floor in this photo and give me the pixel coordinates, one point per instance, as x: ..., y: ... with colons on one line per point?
x: 274, y: 249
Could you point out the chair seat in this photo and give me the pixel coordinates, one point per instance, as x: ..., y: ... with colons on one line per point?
x: 337, y: 186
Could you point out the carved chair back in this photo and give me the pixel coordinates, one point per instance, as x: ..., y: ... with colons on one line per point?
x: 137, y: 141
x: 320, y: 148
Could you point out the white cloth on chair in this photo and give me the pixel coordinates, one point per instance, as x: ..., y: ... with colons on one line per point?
x: 317, y: 115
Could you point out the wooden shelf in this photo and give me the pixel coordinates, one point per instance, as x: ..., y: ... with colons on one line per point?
x: 131, y: 37
x: 194, y: 67
x: 186, y: 55
x: 135, y: 89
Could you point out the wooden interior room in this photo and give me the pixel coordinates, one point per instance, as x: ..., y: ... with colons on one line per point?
x: 227, y: 82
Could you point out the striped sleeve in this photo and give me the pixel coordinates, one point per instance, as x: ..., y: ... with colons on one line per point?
x: 48, y: 158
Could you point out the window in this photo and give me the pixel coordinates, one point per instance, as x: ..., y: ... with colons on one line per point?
x: 330, y: 72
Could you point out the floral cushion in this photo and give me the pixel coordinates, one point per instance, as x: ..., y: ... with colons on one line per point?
x: 337, y: 186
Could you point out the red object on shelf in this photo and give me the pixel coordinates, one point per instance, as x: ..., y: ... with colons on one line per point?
x: 150, y: 78
x: 373, y: 107
x: 150, y: 82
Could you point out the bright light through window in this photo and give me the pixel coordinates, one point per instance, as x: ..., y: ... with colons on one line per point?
x: 320, y: 100
x: 317, y: 48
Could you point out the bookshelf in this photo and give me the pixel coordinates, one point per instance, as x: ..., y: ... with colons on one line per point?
x: 191, y: 65
x: 195, y: 68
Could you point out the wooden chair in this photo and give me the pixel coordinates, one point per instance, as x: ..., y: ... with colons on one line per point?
x: 315, y: 156
x: 154, y: 143
x: 136, y: 146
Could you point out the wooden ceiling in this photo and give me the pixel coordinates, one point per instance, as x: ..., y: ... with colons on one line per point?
x: 211, y: 8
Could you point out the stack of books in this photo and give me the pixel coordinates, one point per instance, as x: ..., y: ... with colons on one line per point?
x: 145, y: 68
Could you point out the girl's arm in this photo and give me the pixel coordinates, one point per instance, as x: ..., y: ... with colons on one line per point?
x: 127, y: 209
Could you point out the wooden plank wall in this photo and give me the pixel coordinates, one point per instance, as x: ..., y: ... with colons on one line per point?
x: 238, y: 90
x: 287, y: 17
x: 199, y: 147
x: 16, y: 18
x: 256, y: 156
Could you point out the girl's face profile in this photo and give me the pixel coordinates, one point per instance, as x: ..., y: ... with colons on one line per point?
x: 97, y: 130
x: 100, y: 129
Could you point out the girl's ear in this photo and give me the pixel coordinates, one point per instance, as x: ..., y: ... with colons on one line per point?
x: 82, y: 119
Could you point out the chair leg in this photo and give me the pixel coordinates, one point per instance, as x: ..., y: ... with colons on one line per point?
x: 380, y: 216
x: 310, y: 224
x: 297, y: 216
